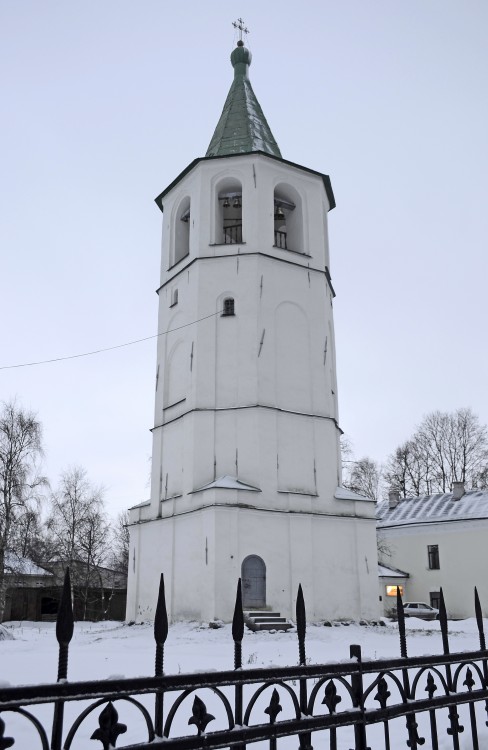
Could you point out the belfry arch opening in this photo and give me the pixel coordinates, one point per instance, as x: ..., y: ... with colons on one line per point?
x: 288, y: 224
x: 229, y: 213
x: 253, y: 575
x: 182, y: 231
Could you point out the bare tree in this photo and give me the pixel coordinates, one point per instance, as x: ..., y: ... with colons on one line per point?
x: 72, y: 506
x: 28, y: 536
x: 20, y: 449
x: 363, y: 476
x: 120, y: 556
x: 446, y: 447
x: 79, y: 531
x: 408, y: 468
x: 94, y: 546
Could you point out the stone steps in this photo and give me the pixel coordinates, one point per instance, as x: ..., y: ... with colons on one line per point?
x: 264, y: 620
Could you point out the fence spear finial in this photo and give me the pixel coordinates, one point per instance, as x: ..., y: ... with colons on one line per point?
x: 479, y: 619
x: 443, y: 622
x: 301, y: 624
x: 238, y: 627
x: 401, y: 625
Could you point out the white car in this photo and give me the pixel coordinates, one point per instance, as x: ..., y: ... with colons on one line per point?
x: 420, y: 609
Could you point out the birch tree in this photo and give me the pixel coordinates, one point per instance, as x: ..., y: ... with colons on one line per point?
x: 79, y: 532
x: 20, y: 449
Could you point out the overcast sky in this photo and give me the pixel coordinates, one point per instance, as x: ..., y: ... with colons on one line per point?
x: 104, y: 103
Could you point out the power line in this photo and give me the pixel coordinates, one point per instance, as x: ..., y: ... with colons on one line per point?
x: 108, y: 348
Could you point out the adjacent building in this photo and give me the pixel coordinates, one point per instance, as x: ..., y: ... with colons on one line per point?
x: 439, y: 541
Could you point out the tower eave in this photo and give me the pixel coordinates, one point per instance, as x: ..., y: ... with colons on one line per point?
x: 325, y: 178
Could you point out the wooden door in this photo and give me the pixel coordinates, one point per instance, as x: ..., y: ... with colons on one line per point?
x: 253, y: 576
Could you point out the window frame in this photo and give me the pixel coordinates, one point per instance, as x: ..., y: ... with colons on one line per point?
x: 435, y: 599
x: 433, y: 556
x: 228, y: 307
x: 392, y: 589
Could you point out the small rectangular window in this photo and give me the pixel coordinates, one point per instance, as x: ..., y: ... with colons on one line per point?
x: 392, y: 590
x: 433, y: 555
x: 228, y: 308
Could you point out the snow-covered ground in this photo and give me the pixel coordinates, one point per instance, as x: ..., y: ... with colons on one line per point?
x: 102, y: 650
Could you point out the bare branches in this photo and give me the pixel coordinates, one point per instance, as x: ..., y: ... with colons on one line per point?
x: 76, y: 511
x: 120, y: 553
x: 79, y: 531
x: 20, y: 447
x: 363, y: 476
x: 446, y: 447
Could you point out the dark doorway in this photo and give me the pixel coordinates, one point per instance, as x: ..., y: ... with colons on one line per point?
x: 49, y: 605
x: 253, y: 575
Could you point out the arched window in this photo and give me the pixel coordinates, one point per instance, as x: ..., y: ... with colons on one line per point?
x: 288, y: 224
x: 228, y: 307
x: 229, y: 213
x: 182, y: 231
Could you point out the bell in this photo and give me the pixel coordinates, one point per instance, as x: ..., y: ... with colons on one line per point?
x: 226, y: 202
x: 237, y: 202
x: 279, y: 213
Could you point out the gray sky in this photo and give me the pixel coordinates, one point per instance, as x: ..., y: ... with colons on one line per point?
x: 104, y: 103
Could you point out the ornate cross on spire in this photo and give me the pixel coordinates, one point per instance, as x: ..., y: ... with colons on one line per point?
x: 239, y: 24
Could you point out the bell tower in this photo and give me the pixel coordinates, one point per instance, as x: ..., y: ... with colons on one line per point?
x: 246, y: 467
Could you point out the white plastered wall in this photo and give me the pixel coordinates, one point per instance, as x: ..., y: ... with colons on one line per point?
x: 463, y: 560
x: 252, y: 396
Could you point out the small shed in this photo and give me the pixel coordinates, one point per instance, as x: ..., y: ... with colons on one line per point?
x: 29, y: 589
x: 34, y: 592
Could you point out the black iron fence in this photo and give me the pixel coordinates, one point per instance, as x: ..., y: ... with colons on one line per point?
x: 433, y: 701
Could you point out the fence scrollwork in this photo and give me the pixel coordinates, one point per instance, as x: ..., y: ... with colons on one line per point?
x: 326, y: 698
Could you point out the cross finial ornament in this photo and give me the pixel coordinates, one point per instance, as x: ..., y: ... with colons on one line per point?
x: 240, y: 25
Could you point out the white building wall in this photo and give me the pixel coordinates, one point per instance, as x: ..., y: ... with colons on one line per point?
x: 463, y: 560
x: 316, y: 551
x: 252, y: 396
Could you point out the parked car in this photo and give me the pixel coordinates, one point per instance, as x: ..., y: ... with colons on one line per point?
x: 420, y: 609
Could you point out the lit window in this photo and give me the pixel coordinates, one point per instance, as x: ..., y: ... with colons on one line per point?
x: 392, y: 590
x: 433, y: 555
x: 228, y: 307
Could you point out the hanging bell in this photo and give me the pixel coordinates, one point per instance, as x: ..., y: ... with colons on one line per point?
x: 279, y: 213
x: 226, y: 202
x: 237, y: 202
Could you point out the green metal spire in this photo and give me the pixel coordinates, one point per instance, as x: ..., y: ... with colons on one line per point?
x: 242, y: 127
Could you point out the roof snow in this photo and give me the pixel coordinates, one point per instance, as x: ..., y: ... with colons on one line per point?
x: 342, y: 493
x: 433, y: 508
x: 227, y: 482
x: 385, y: 572
x: 23, y: 566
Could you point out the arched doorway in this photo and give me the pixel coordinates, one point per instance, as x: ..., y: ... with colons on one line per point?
x: 253, y: 574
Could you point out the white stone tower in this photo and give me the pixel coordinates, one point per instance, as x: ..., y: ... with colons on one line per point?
x: 246, y: 466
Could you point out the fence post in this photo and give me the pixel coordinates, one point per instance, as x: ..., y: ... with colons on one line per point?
x: 357, y: 699
x: 411, y: 722
x: 306, y: 738
x: 481, y: 633
x: 160, y: 635
x: 456, y: 728
x: 64, y: 634
x: 237, y: 635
